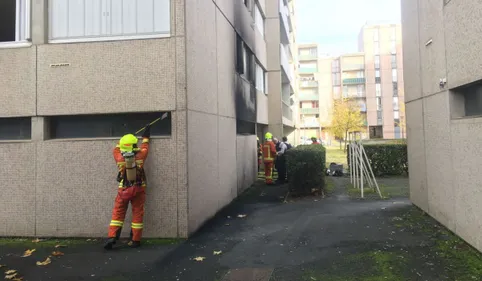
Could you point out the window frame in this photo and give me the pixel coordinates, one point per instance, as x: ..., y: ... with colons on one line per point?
x: 258, y: 68
x: 104, y: 37
x: 257, y: 11
x: 22, y: 25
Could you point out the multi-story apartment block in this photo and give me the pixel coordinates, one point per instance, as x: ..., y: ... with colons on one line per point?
x: 280, y: 40
x: 371, y: 78
x: 77, y: 75
x: 443, y: 94
x: 382, y: 47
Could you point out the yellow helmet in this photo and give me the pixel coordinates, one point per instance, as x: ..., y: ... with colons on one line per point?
x: 268, y: 136
x: 127, y: 142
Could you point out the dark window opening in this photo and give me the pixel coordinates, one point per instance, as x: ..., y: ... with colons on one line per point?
x: 8, y: 18
x: 16, y: 128
x: 376, y: 132
x: 239, y: 55
x: 108, y: 125
x: 245, y: 127
x: 378, y: 80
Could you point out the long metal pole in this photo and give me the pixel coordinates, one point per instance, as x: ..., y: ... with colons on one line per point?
x: 371, y: 171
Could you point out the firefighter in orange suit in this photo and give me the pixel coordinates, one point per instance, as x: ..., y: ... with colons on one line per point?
x: 132, y: 183
x: 269, y: 153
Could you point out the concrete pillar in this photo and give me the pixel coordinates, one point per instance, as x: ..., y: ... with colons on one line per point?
x: 39, y: 22
x: 40, y: 129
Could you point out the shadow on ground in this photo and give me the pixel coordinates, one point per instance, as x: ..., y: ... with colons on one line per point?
x: 331, y: 239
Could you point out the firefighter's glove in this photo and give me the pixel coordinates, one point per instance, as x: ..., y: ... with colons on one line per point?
x: 147, y: 132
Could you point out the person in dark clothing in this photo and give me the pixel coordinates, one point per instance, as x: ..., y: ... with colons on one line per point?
x: 281, y: 161
x: 288, y: 147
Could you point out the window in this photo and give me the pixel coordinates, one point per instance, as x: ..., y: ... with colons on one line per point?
x: 472, y: 98
x: 395, y: 89
x: 378, y: 90
x: 361, y: 90
x: 377, y: 73
x: 244, y: 61
x: 309, y: 65
x: 260, y: 78
x: 394, y: 61
x: 345, y: 91
x: 335, y: 79
x: 396, y: 115
x: 379, y: 114
x: 259, y: 19
x: 377, y: 62
x: 395, y: 103
x: 18, y: 128
x: 379, y: 103
x: 335, y: 66
x: 377, y: 49
x: 15, y: 15
x: 106, y: 126
x: 376, y: 35
x: 376, y: 132
x: 89, y: 20
x: 360, y: 74
x: 394, y: 75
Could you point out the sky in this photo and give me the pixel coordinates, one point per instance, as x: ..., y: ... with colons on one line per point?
x: 335, y: 24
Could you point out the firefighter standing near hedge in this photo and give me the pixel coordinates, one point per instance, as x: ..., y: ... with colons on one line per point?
x: 269, y: 154
x: 132, y: 183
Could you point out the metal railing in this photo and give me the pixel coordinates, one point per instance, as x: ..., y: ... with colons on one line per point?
x: 307, y: 70
x: 308, y: 97
x: 309, y: 84
x: 351, y: 67
x: 353, y: 81
x: 310, y: 110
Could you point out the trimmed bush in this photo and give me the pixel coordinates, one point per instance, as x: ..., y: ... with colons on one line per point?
x: 389, y: 159
x: 306, y: 168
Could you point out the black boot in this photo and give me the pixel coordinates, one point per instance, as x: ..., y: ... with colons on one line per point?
x: 109, y: 243
x: 134, y: 244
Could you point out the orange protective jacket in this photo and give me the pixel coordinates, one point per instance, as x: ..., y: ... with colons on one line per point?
x: 141, y: 156
x: 269, y: 152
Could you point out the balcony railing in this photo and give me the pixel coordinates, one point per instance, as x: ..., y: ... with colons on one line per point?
x: 287, y: 112
x: 310, y: 110
x: 308, y: 97
x: 307, y: 57
x: 354, y: 94
x: 354, y: 81
x: 352, y: 67
x: 308, y: 70
x: 309, y: 84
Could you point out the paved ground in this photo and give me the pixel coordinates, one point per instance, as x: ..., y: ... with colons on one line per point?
x: 331, y: 239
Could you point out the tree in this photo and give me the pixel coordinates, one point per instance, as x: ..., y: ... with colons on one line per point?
x: 346, y: 118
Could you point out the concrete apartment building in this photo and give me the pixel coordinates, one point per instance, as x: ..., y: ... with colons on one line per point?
x: 372, y: 78
x: 443, y: 104
x: 77, y: 75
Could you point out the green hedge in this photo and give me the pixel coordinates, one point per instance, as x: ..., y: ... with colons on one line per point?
x: 389, y: 159
x: 306, y: 168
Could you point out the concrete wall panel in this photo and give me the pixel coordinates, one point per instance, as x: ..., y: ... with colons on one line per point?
x: 17, y: 82
x: 247, y: 161
x: 439, y: 158
x: 102, y: 78
x: 416, y: 154
x: 462, y: 41
x: 227, y: 161
x: 467, y: 159
x: 17, y: 210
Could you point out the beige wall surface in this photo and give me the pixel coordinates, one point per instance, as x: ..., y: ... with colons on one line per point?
x: 102, y: 78
x: 48, y: 203
x: 17, y: 82
x: 211, y: 125
x: 444, y: 155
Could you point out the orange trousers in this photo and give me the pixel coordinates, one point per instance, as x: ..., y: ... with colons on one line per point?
x: 119, y: 214
x: 268, y: 172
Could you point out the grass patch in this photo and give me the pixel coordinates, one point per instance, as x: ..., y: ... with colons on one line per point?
x: 334, y: 154
x: 366, y: 266
x: 387, y: 191
x: 50, y: 243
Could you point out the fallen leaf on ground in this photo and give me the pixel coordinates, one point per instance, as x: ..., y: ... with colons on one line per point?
x: 36, y: 240
x: 88, y: 240
x: 199, y: 258
x: 217, y: 253
x: 28, y: 253
x: 11, y: 276
x: 12, y: 271
x: 45, y: 262
x: 57, y: 253
x: 2, y: 265
x: 241, y: 216
x: 17, y: 279
x: 60, y: 246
